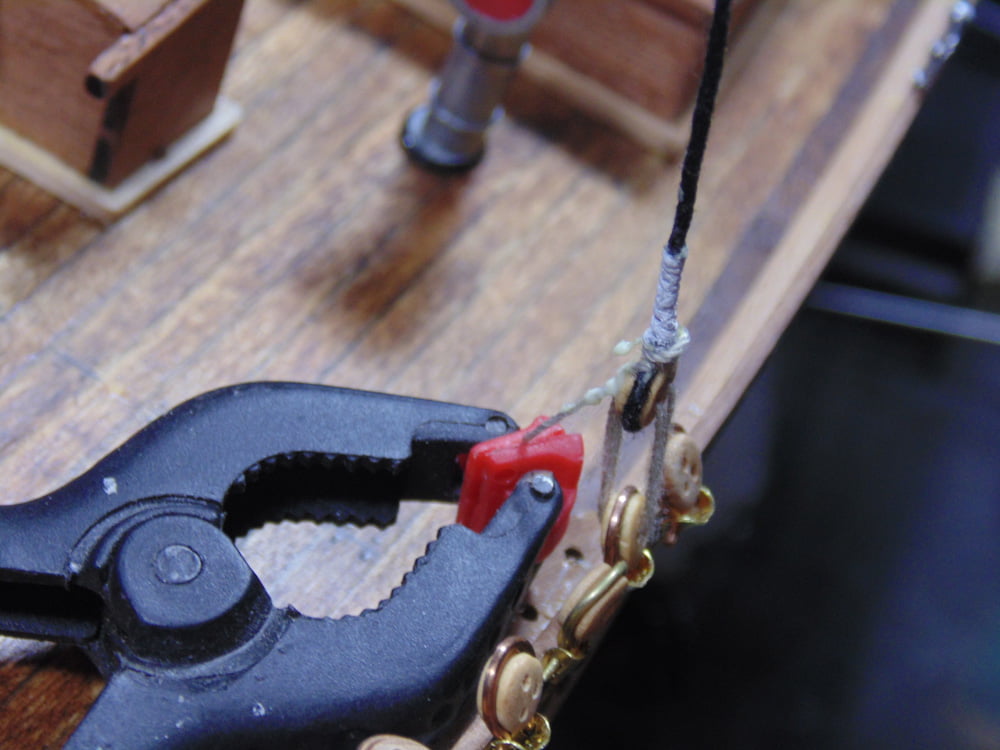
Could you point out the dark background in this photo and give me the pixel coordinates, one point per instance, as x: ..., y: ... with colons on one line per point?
x: 847, y: 594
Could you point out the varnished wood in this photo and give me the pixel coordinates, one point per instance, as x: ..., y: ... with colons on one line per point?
x: 606, y: 42
x: 170, y: 71
x: 30, y: 78
x: 649, y: 52
x: 106, y: 88
x: 132, y: 13
x: 119, y: 60
x: 789, y: 272
x: 307, y: 248
x: 104, y: 203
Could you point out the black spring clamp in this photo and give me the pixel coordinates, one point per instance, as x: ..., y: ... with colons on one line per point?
x: 134, y: 563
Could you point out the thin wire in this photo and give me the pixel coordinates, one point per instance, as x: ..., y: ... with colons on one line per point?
x: 610, y: 455
x: 701, y: 123
x: 655, y: 488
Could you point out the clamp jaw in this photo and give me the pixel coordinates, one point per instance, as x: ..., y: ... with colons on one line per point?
x: 133, y: 563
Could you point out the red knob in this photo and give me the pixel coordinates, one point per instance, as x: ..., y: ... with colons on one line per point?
x: 501, y: 10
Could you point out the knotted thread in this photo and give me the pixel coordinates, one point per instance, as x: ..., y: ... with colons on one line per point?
x: 663, y: 340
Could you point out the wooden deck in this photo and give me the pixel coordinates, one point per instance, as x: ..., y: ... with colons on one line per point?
x: 307, y: 248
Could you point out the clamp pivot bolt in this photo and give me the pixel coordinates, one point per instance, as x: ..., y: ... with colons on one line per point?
x: 543, y: 484
x: 177, y: 564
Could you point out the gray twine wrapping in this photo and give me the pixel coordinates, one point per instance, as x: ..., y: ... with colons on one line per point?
x: 665, y: 338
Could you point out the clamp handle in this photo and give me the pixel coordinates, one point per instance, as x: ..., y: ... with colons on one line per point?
x: 405, y: 667
x: 132, y: 562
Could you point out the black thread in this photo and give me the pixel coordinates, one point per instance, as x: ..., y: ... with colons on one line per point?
x: 701, y: 122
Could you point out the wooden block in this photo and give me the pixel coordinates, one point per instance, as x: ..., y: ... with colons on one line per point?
x: 649, y: 56
x: 649, y: 51
x: 107, y: 85
x: 47, y: 46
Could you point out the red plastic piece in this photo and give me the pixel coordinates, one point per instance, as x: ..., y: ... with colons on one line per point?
x: 501, y: 10
x: 494, y: 467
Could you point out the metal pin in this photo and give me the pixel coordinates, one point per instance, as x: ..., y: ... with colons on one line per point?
x: 449, y: 132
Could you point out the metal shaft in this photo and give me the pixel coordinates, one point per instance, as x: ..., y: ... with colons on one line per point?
x: 449, y: 132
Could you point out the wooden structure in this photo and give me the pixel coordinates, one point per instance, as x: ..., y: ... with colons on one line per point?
x: 648, y: 51
x: 308, y: 248
x: 632, y: 63
x: 106, y: 86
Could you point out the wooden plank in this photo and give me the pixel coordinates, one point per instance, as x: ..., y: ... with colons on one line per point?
x: 308, y: 248
x: 32, y: 205
x: 808, y: 242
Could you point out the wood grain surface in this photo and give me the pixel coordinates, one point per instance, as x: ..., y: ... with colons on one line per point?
x: 307, y: 248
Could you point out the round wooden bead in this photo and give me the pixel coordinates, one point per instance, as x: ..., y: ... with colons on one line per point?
x: 519, y: 691
x: 510, y: 688
x: 623, y: 529
x: 390, y: 742
x: 682, y: 471
x: 599, y: 615
x: 639, y: 395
